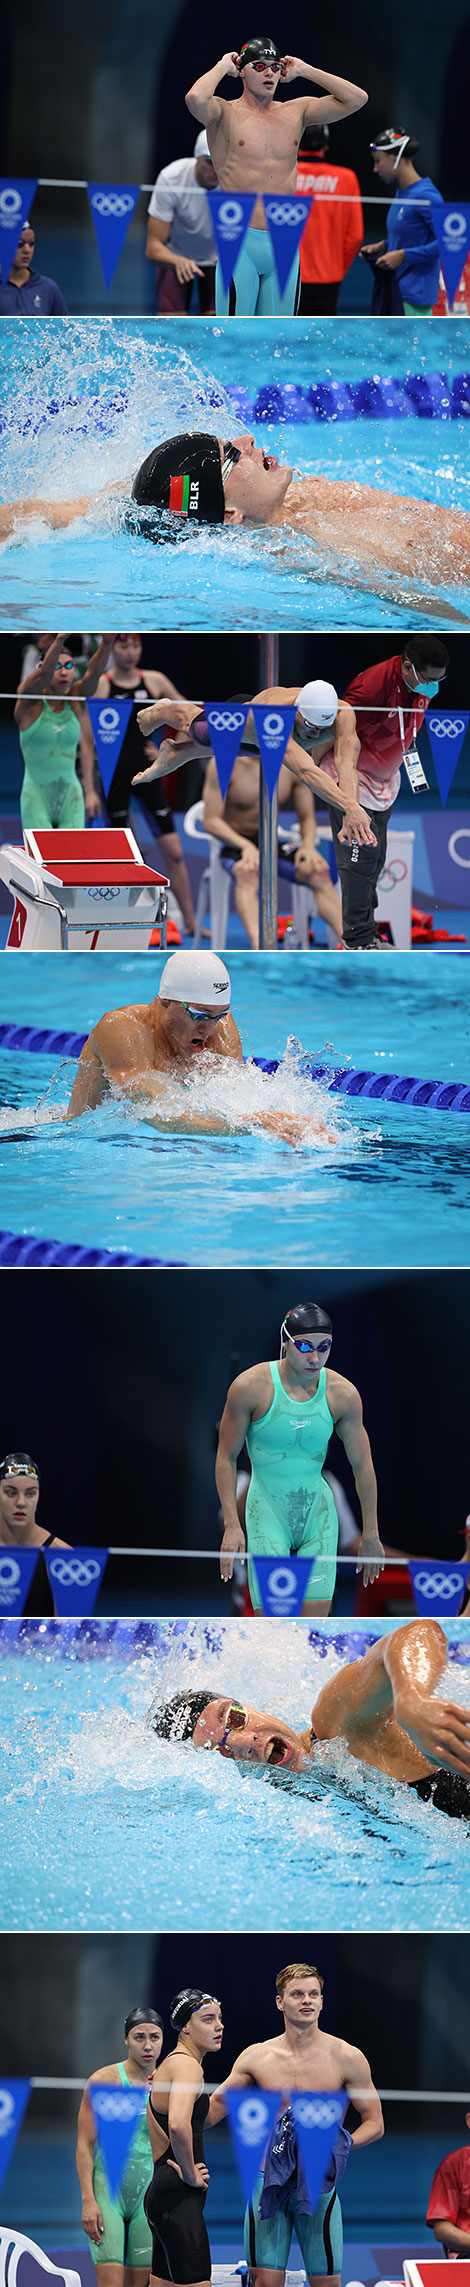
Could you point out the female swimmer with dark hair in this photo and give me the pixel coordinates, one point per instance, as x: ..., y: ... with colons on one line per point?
x: 117, y: 2230
x: 176, y: 2111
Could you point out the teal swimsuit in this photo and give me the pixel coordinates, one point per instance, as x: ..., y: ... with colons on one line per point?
x: 290, y: 1510
x: 126, y: 2237
x: 254, y: 291
x: 51, y: 793
x: 320, y: 2237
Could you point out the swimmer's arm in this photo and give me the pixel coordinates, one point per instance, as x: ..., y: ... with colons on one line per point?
x: 42, y: 674
x: 358, y: 2077
x: 57, y: 513
x: 180, y: 2112
x: 235, y: 1421
x: 385, y: 1677
x: 227, y: 1040
x: 157, y: 250
x: 341, y: 97
x: 92, y: 2219
x: 88, y: 1087
x: 243, y: 2075
x: 90, y: 680
x: 349, y: 1426
x: 201, y: 99
x: 303, y: 767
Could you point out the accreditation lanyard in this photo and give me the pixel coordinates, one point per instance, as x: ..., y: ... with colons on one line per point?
x: 413, y: 766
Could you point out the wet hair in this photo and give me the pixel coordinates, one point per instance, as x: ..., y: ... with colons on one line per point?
x: 426, y: 651
x: 142, y: 2017
x: 297, y: 1969
x: 307, y: 1318
x: 22, y: 1462
x: 177, y: 1717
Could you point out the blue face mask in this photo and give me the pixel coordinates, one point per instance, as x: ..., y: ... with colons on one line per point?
x: 427, y: 690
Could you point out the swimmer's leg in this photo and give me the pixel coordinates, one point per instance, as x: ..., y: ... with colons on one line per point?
x: 35, y: 810
x: 273, y: 304
x: 320, y: 2240
x: 359, y: 870
x: 267, y: 2241
x: 241, y: 300
x: 73, y: 807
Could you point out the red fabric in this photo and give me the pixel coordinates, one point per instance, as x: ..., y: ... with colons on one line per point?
x: 462, y: 300
x: 449, y: 2199
x: 335, y: 230
x: 380, y: 734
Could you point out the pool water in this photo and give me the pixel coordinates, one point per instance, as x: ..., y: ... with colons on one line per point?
x: 121, y: 1830
x: 390, y: 1187
x: 82, y: 403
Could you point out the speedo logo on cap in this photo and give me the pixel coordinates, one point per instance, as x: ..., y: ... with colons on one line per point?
x: 184, y: 495
x: 220, y: 985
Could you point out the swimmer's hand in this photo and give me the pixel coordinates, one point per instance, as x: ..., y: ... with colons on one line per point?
x: 356, y: 827
x: 232, y: 1545
x: 199, y: 2177
x: 186, y: 269
x: 440, y: 1729
x: 291, y: 1127
x: 230, y: 64
x: 370, y: 1557
x: 92, y: 2219
x: 392, y: 260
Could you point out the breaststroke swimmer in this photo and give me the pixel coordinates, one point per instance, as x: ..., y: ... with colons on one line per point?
x: 286, y: 1414
x: 213, y: 481
x: 381, y: 1704
x: 117, y: 2231
x: 254, y: 145
x: 300, y: 2057
x: 176, y: 2112
x: 136, y: 1051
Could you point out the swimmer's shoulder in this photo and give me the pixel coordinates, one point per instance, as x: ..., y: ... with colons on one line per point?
x: 227, y: 1039
x: 102, y: 2073
x: 342, y: 1396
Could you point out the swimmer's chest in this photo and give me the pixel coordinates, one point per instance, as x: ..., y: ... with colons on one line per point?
x: 272, y: 135
x: 289, y: 1428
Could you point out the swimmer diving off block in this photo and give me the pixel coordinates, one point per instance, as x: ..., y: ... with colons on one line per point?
x: 381, y: 1704
x: 254, y: 146
x: 197, y: 478
x: 138, y: 1051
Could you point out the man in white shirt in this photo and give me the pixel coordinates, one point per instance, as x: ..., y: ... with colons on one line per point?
x: 179, y: 234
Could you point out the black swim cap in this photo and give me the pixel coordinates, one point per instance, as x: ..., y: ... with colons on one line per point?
x: 395, y: 139
x: 142, y: 2017
x: 177, y: 1718
x: 185, y: 475
x: 18, y: 1465
x: 307, y: 1318
x: 254, y: 51
x: 185, y: 2003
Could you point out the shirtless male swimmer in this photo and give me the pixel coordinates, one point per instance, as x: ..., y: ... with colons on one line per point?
x: 254, y: 145
x: 137, y: 1050
x: 381, y: 1704
x: 213, y: 481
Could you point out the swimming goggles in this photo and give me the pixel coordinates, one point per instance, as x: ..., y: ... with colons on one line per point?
x: 232, y: 454
x: 206, y: 1016
x: 18, y: 1469
x: 321, y: 1348
x: 236, y: 1720
x: 265, y: 64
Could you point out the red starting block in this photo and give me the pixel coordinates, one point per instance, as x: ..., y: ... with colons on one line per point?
x: 81, y: 893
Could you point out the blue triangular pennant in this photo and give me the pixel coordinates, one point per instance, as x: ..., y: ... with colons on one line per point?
x: 252, y: 2113
x: 230, y: 213
x: 112, y: 206
x: 16, y: 198
x: 446, y: 735
x: 452, y: 227
x: 438, y: 1588
x: 109, y: 719
x: 286, y: 219
x: 75, y: 1576
x: 282, y: 1583
x: 117, y: 2112
x: 273, y: 729
x: 16, y: 1572
x: 317, y: 2116
x: 13, y: 2101
x: 226, y: 724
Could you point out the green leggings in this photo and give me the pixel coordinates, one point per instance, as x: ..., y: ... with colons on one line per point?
x: 126, y: 2237
x: 58, y: 802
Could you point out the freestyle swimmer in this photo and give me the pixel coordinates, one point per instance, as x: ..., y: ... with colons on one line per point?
x: 381, y: 1704
x: 300, y: 2057
x: 254, y: 146
x: 286, y: 1414
x: 212, y: 481
x: 137, y: 1050
x: 177, y: 2109
x: 117, y: 2231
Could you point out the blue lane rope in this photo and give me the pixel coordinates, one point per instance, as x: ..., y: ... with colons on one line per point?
x: 426, y: 396
x: 97, y: 1637
x: 25, y: 1252
x: 348, y: 1080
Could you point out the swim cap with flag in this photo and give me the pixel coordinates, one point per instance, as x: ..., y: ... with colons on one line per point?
x: 196, y: 977
x: 185, y: 475
x: 318, y: 704
x: 185, y: 2003
x: 260, y: 51
x: 393, y: 139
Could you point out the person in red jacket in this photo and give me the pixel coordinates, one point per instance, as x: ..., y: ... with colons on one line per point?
x: 449, y: 2202
x: 408, y: 681
x: 335, y: 228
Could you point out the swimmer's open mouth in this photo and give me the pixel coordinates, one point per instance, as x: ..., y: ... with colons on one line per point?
x: 269, y: 461
x: 277, y: 1751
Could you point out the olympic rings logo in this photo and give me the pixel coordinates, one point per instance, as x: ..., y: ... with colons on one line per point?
x: 226, y: 722
x: 313, y: 2114
x: 10, y: 206
x: 447, y: 727
x: 109, y: 722
x: 454, y: 230
x: 282, y: 1581
x: 117, y: 2106
x: 10, y: 1576
x: 7, y: 2110
x: 230, y: 218
x: 113, y: 203
x: 433, y: 1584
x: 253, y: 2120
x: 72, y: 1572
x: 392, y: 874
x: 104, y: 889
x: 462, y: 834
x: 278, y: 211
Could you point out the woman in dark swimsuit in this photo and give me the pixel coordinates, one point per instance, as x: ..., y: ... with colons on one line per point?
x: 176, y: 2113
x: 19, y: 1495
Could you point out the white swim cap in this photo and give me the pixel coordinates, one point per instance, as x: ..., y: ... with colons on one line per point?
x: 196, y: 977
x: 318, y: 703
x: 201, y: 147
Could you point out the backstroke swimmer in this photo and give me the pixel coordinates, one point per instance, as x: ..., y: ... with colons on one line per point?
x: 138, y: 1050
x: 117, y: 2231
x: 381, y: 1705
x: 212, y: 481
x: 176, y: 2112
